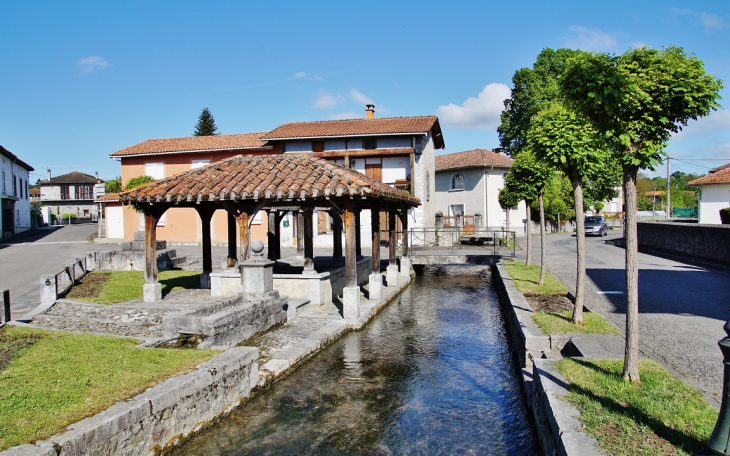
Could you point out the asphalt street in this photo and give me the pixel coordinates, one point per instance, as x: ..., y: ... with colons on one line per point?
x: 682, y: 308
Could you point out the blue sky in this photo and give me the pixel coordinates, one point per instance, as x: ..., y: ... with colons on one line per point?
x: 80, y: 80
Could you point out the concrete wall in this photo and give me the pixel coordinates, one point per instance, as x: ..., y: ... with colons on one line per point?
x: 712, y: 199
x: 703, y: 242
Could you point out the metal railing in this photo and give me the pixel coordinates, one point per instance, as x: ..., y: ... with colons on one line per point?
x: 452, y: 240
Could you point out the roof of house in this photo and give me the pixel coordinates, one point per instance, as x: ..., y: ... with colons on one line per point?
x: 15, y: 159
x: 195, y: 144
x: 719, y: 175
x: 479, y: 158
x: 276, y: 177
x: 74, y: 177
x: 108, y: 198
x: 359, y: 127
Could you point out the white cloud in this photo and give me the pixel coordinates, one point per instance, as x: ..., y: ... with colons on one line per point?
x: 346, y: 115
x: 481, y: 113
x: 361, y: 98
x: 92, y: 64
x: 712, y: 21
x: 305, y: 75
x: 715, y: 122
x: 299, y: 75
x: 326, y: 100
x: 587, y: 39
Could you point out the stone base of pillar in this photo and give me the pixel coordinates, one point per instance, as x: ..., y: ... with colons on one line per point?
x: 351, y: 303
x: 205, y: 280
x: 375, y: 287
x: 152, y: 292
x: 391, y: 275
x: 405, y: 268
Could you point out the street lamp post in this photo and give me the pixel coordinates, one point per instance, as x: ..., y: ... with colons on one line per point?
x: 719, y: 441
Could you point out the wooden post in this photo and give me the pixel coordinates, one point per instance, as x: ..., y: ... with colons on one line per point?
x: 308, y: 233
x: 6, y: 305
x: 300, y: 232
x: 404, y: 219
x: 358, y: 248
x: 391, y: 236
x: 271, y: 216
x: 277, y: 233
x: 244, y: 236
x: 350, y: 258
x: 150, y: 248
x: 206, y: 214
x: 375, y: 228
x: 336, y: 235
x: 232, y: 234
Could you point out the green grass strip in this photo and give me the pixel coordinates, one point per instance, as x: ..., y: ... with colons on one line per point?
x: 127, y: 285
x: 527, y: 277
x: 551, y: 323
x: 61, y: 378
x: 658, y: 416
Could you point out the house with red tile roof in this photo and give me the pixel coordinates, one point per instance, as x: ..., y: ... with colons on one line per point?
x: 14, y: 194
x: 714, y: 194
x: 469, y: 182
x: 71, y: 193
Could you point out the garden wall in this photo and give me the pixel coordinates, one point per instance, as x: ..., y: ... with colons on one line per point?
x: 702, y: 242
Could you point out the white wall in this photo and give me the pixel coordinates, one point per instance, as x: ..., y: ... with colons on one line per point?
x: 8, y: 169
x: 712, y: 199
x: 115, y: 222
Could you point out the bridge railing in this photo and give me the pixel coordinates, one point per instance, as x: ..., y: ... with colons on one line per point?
x: 451, y: 240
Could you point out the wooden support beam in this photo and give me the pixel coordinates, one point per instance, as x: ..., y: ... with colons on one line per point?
x: 375, y: 228
x: 391, y: 236
x: 308, y: 237
x: 336, y: 235
x: 358, y: 243
x: 300, y: 232
x: 206, y: 214
x: 150, y: 247
x: 404, y: 220
x: 244, y: 236
x: 271, y: 217
x: 350, y: 258
x: 232, y: 236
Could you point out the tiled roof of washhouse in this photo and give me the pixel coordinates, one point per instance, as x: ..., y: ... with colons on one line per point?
x: 359, y: 127
x: 290, y: 177
x: 472, y: 158
x: 194, y: 144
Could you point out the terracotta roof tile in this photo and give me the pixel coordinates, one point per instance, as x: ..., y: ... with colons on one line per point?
x: 109, y: 198
x: 246, y: 177
x: 15, y: 159
x: 720, y: 168
x: 717, y: 177
x: 194, y: 144
x: 358, y: 127
x: 74, y: 177
x: 472, y: 158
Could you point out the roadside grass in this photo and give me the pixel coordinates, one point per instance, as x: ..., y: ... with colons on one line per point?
x: 562, y: 322
x: 52, y: 379
x: 122, y: 286
x: 661, y: 415
x: 526, y: 279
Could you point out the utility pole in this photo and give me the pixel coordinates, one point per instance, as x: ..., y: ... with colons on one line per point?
x: 669, y: 189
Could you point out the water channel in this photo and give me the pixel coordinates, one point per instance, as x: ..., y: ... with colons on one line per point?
x: 432, y: 374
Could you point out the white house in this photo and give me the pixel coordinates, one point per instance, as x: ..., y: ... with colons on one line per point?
x: 14, y: 194
x: 469, y: 182
x: 70, y: 193
x: 714, y: 194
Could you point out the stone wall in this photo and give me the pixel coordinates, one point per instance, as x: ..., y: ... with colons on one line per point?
x: 702, y: 242
x: 162, y: 416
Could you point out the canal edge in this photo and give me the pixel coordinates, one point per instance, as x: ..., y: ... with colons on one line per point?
x: 558, y: 427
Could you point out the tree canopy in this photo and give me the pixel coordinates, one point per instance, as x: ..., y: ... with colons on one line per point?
x: 113, y: 185
x: 137, y: 181
x: 206, y: 124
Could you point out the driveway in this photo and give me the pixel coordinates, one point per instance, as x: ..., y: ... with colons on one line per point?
x: 25, y: 258
x: 682, y: 308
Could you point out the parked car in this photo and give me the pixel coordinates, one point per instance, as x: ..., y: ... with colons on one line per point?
x: 596, y: 226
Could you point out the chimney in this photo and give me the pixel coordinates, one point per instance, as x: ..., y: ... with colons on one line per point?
x: 370, y: 111
x: 49, y: 173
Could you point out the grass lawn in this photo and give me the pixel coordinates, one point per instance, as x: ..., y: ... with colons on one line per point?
x: 562, y: 322
x: 526, y: 279
x: 106, y: 287
x: 659, y: 416
x: 50, y: 379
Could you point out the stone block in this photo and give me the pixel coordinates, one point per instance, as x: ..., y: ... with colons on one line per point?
x: 45, y: 449
x: 391, y: 275
x: 375, y: 286
x: 152, y: 292
x: 351, y: 303
x: 48, y: 289
x: 405, y: 269
x: 205, y: 280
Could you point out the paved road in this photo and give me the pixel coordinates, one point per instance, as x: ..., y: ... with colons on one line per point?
x: 25, y: 258
x: 682, y: 308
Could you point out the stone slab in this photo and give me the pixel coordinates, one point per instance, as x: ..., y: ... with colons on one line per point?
x: 595, y: 346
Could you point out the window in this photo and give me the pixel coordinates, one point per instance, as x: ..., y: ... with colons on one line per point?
x: 199, y: 163
x: 15, y: 185
x: 4, y: 191
x: 457, y: 182
x: 155, y: 170
x: 317, y: 146
x: 83, y: 192
x: 370, y: 143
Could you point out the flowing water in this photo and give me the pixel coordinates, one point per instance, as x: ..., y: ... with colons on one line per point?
x: 431, y: 375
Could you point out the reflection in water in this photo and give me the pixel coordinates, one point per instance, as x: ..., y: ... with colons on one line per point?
x: 432, y: 374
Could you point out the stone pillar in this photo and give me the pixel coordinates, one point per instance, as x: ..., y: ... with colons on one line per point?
x: 48, y: 289
x: 351, y: 292
x: 206, y: 214
x: 477, y: 220
x: 405, y: 270
x: 151, y: 290
x: 257, y: 273
x: 459, y: 219
x: 439, y: 219
x: 375, y: 286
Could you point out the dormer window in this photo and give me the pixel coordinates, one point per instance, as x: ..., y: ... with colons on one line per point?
x: 370, y: 143
x: 317, y: 146
x: 457, y: 182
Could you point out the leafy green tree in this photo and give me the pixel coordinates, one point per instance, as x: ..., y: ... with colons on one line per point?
x: 564, y: 140
x: 137, y: 181
x: 532, y: 89
x: 206, y: 124
x: 637, y: 100
x: 113, y: 185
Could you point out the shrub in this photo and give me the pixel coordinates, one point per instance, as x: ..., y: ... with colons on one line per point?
x: 725, y: 216
x: 66, y: 215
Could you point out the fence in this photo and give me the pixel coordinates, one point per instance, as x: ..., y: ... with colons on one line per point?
x: 56, y: 285
x: 431, y: 240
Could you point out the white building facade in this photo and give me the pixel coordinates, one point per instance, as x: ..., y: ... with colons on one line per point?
x: 14, y: 194
x: 714, y: 194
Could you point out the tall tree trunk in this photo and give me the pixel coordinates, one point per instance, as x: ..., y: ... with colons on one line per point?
x: 631, y: 353
x: 580, y: 236
x: 542, y: 241
x: 529, y: 237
